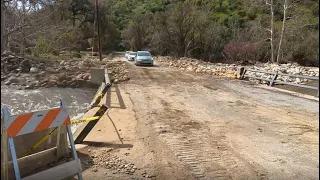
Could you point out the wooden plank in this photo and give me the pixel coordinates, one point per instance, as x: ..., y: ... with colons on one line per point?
x: 84, y: 129
x: 59, y: 172
x: 29, y: 163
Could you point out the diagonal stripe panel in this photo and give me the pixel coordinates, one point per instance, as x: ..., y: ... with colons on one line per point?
x: 60, y: 119
x: 47, y: 120
x: 67, y: 121
x: 18, y: 122
x: 34, y: 121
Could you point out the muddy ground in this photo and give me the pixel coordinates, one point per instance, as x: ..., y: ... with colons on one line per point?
x: 177, y: 125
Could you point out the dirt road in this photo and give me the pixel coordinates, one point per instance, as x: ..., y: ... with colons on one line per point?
x: 187, y: 126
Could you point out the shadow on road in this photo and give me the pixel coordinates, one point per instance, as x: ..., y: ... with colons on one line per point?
x: 119, y: 97
x: 108, y: 145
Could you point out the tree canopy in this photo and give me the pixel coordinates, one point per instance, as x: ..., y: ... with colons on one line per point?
x: 212, y: 30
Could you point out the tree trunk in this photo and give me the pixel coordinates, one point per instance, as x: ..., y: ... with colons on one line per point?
x: 272, y: 30
x: 285, y: 6
x: 2, y: 26
x: 23, y: 43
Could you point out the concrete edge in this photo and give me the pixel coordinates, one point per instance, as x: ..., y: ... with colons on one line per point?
x: 289, y: 92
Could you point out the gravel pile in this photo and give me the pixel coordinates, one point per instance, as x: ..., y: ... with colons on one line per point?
x: 117, y: 70
x: 111, y: 162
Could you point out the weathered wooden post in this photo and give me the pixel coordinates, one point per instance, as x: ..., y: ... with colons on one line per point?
x: 240, y: 72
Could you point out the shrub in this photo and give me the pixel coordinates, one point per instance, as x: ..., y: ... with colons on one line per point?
x: 243, y: 51
x: 306, y: 52
x: 41, y: 47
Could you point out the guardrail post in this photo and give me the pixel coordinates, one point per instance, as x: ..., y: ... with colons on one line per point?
x: 273, y: 79
x: 243, y: 73
x: 240, y: 71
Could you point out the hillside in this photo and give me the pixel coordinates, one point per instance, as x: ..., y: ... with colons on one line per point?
x: 212, y: 30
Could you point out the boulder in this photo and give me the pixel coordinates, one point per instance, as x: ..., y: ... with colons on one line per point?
x: 86, y: 77
x: 62, y: 76
x: 13, y: 80
x: 31, y: 86
x: 25, y: 66
x: 3, y: 78
x: 34, y: 70
x: 79, y: 76
x: 6, y: 53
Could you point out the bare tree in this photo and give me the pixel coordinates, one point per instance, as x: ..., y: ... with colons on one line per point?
x: 270, y: 3
x: 285, y: 7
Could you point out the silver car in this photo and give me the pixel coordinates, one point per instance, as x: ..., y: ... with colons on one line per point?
x: 143, y: 58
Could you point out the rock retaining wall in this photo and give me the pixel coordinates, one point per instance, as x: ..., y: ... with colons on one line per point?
x: 230, y: 70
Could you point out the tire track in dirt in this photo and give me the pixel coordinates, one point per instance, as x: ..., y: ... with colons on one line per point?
x: 205, y: 156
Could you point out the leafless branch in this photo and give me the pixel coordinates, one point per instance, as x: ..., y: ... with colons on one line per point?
x: 25, y: 26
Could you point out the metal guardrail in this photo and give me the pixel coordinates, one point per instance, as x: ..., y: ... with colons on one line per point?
x: 275, y: 75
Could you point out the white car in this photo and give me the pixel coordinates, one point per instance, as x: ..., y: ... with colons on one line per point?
x: 131, y: 56
x: 126, y: 55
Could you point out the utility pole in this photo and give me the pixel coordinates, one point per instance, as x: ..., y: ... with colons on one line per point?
x: 98, y: 26
x: 2, y: 26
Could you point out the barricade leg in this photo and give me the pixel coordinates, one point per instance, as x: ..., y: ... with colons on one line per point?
x: 5, y: 143
x: 73, y: 148
x: 58, y: 143
x: 14, y: 159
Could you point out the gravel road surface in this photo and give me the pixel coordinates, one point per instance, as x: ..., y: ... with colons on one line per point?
x: 188, y: 126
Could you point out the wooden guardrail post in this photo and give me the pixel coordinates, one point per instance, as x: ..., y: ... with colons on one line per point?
x: 240, y: 72
x: 273, y: 79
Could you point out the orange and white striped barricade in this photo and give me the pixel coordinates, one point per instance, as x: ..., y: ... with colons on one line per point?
x: 38, y: 121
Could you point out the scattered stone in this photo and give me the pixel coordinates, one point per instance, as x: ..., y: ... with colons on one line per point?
x: 29, y: 87
x: 62, y: 76
x: 34, y: 70
x: 13, y: 79
x: 6, y: 53
x: 89, y: 150
x: 3, y: 78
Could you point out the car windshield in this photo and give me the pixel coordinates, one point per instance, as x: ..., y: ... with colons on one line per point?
x: 144, y: 54
x: 133, y: 53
